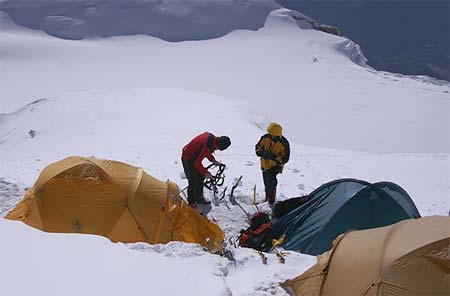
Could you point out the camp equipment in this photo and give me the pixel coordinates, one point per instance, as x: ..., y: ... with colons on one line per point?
x: 339, y: 206
x: 112, y: 199
x: 410, y: 257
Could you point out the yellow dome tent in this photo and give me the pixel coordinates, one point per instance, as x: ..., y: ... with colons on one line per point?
x: 113, y: 199
x: 410, y: 257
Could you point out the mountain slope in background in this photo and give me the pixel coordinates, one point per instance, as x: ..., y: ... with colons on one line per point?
x: 408, y: 37
x: 139, y: 99
x: 301, y: 77
x: 171, y: 20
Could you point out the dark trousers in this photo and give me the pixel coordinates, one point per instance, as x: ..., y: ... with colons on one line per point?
x: 270, y: 183
x: 195, y: 181
x: 270, y: 178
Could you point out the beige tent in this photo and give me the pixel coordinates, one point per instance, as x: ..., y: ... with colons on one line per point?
x: 113, y: 199
x: 407, y: 258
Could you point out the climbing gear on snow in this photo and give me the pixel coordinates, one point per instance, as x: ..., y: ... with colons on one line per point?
x: 257, y: 235
x: 233, y: 200
x: 218, y: 179
x: 281, y: 255
x: 220, y: 249
x: 263, y: 256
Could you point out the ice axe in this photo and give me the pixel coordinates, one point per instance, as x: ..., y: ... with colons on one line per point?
x: 233, y: 199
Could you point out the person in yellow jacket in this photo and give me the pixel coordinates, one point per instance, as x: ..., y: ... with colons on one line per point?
x: 273, y: 150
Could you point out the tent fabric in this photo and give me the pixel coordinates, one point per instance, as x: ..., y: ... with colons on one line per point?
x: 410, y: 257
x: 340, y: 206
x: 112, y: 199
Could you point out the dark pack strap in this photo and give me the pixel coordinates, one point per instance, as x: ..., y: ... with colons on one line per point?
x: 209, y: 145
x: 261, y: 228
x: 210, y: 142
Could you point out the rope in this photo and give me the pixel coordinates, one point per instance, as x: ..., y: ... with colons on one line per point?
x: 218, y: 179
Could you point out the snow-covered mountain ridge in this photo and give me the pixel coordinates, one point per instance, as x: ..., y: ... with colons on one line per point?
x: 171, y: 20
x: 278, y: 63
x: 139, y: 99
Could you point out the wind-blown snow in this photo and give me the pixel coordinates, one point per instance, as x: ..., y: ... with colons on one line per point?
x: 139, y: 99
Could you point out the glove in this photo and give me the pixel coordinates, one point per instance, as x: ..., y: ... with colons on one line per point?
x: 268, y: 155
x: 271, y: 156
x: 262, y: 154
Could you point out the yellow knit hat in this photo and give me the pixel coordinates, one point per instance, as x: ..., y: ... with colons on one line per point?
x: 274, y: 129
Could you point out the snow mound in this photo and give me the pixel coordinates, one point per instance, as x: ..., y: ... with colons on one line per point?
x: 171, y: 20
x: 92, y: 265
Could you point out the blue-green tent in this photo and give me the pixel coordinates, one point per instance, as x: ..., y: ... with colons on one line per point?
x: 339, y: 206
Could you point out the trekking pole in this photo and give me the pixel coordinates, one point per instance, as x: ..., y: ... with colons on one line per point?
x: 239, y: 205
x: 183, y: 191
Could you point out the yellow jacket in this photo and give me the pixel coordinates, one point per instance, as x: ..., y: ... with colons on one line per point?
x: 273, y: 151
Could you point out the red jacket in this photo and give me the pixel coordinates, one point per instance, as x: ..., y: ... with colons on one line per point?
x: 199, y: 148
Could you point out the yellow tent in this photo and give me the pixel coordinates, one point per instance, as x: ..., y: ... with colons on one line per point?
x: 407, y: 258
x: 113, y: 199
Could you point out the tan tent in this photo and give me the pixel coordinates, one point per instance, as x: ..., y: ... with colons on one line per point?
x: 407, y: 258
x: 113, y: 199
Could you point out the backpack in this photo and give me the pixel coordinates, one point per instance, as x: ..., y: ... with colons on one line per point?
x: 258, y: 235
x: 286, y: 206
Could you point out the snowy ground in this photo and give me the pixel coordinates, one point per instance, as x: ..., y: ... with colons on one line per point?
x: 66, y: 126
x: 73, y: 264
x: 139, y: 99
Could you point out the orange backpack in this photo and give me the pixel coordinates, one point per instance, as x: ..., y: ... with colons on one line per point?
x: 257, y: 236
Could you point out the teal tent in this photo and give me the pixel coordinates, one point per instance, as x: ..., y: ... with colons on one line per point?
x: 339, y: 206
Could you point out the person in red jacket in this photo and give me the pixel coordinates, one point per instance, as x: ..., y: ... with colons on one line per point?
x: 199, y: 148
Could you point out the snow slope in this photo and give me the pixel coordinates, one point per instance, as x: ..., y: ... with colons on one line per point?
x: 129, y: 126
x: 149, y: 135
x: 73, y: 264
x: 139, y: 99
x: 321, y: 96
